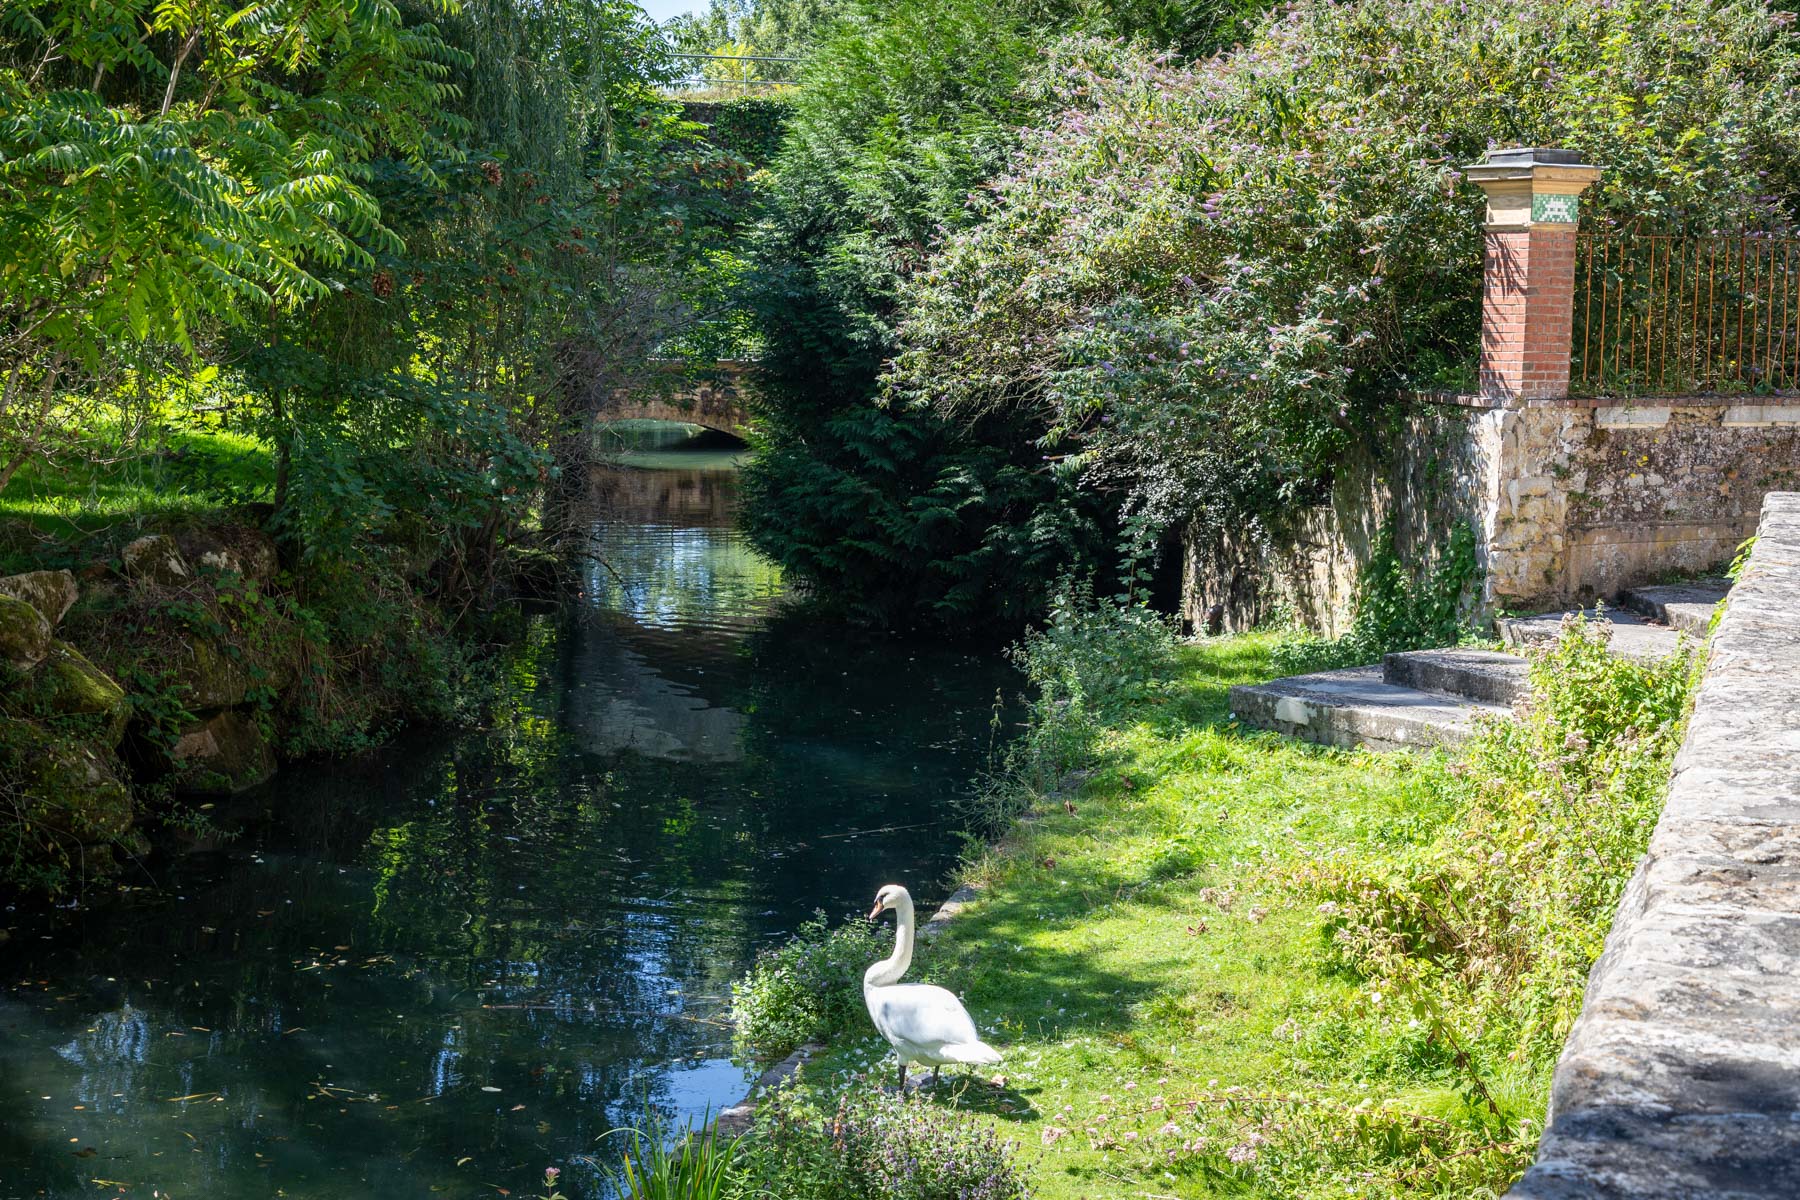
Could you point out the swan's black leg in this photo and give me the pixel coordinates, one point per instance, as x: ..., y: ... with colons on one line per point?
x: 934, y: 1075
x: 903, y: 1077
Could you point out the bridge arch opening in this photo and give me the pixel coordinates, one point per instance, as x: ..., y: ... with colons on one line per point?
x: 633, y: 434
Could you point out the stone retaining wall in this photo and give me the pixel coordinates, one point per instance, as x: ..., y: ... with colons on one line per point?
x: 1571, y: 500
x: 1587, y: 498
x: 1682, y: 1076
x: 1424, y: 477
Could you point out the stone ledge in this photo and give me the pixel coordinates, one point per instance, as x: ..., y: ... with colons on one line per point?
x: 1681, y: 1077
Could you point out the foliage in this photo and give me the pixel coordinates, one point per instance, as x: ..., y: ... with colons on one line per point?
x: 1205, y: 280
x: 775, y: 28
x: 897, y: 514
x: 806, y: 989
x: 1397, y: 608
x: 171, y: 166
x: 689, y: 1165
x: 1489, y: 931
x: 750, y: 127
x: 877, y: 1146
x: 403, y: 255
x: 1090, y: 661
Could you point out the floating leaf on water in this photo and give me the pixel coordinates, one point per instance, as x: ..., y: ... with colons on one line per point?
x: 464, y: 1159
x: 490, y: 1089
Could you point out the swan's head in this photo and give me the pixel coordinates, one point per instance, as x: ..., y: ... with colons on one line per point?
x: 888, y: 897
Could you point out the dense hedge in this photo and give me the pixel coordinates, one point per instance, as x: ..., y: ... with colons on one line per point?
x: 750, y: 128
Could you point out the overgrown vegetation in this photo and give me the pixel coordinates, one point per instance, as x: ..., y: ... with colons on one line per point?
x: 808, y: 989
x: 895, y: 513
x: 1224, y: 962
x: 1398, y: 607
x: 1111, y: 292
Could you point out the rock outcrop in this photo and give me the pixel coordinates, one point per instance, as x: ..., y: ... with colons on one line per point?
x: 52, y: 593
x: 156, y: 559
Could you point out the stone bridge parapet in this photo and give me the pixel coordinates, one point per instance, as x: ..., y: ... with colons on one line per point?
x: 1681, y: 1078
x: 713, y: 397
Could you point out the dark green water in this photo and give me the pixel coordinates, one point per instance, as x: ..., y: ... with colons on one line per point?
x: 440, y: 969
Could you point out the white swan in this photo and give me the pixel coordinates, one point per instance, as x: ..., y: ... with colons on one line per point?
x: 925, y: 1024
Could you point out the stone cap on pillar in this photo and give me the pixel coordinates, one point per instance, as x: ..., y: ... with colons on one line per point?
x: 1531, y: 186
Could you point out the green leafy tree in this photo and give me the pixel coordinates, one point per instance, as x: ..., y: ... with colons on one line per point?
x: 1209, y: 280
x: 166, y: 169
x: 906, y: 516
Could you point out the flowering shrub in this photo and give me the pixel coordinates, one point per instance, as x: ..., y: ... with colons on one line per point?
x: 879, y: 1146
x: 1489, y: 932
x: 1209, y: 278
x: 806, y: 989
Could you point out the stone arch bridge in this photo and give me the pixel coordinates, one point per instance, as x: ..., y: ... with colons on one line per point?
x: 713, y: 397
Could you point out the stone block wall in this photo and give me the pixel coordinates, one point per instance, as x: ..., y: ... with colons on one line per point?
x: 1586, y: 499
x: 1571, y: 502
x: 1424, y: 478
x: 1681, y: 1078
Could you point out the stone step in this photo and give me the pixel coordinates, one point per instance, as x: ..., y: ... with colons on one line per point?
x: 1486, y: 676
x: 1357, y: 707
x: 1632, y: 635
x: 1687, y: 607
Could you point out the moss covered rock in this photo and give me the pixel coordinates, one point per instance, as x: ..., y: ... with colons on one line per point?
x: 66, y: 684
x: 24, y: 634
x: 220, y: 674
x: 223, y: 754
x: 73, y: 796
x: 156, y: 559
x: 50, y: 592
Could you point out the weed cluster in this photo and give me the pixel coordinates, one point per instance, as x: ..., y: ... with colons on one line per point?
x: 1488, y: 930
x: 1092, y: 658
x: 806, y: 989
x: 1396, y: 609
x: 877, y: 1146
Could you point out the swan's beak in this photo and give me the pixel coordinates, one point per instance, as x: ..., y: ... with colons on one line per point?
x: 876, y: 911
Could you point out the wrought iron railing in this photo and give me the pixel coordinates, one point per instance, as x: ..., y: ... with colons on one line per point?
x: 1666, y: 316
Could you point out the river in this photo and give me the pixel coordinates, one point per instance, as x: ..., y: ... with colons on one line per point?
x: 439, y: 968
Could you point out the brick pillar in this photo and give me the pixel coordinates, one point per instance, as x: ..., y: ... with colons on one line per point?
x: 1528, y: 275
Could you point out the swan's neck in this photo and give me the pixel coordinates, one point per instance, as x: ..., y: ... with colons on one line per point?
x: 890, y: 969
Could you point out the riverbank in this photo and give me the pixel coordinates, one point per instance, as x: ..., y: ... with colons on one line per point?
x: 156, y: 667
x: 1221, y: 962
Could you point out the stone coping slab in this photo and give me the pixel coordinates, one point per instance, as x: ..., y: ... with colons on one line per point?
x: 1358, y: 707
x: 1681, y: 1078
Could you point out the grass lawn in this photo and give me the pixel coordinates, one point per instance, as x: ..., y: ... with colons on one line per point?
x: 1175, y: 1019
x: 52, y: 511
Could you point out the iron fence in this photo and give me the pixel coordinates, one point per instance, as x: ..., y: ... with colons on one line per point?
x: 1666, y: 315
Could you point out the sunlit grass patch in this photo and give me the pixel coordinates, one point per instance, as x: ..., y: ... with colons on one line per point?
x: 1177, y: 1020
x: 175, y: 465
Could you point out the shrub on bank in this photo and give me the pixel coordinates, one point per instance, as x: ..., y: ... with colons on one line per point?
x: 807, y: 989
x: 1490, y: 929
x: 1091, y: 659
x: 877, y: 1146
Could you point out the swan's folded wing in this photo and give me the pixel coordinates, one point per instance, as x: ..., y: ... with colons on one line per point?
x: 922, y: 1015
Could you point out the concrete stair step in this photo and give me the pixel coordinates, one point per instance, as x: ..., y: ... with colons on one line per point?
x: 1687, y: 607
x: 1357, y: 707
x: 1632, y: 634
x: 1485, y: 676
